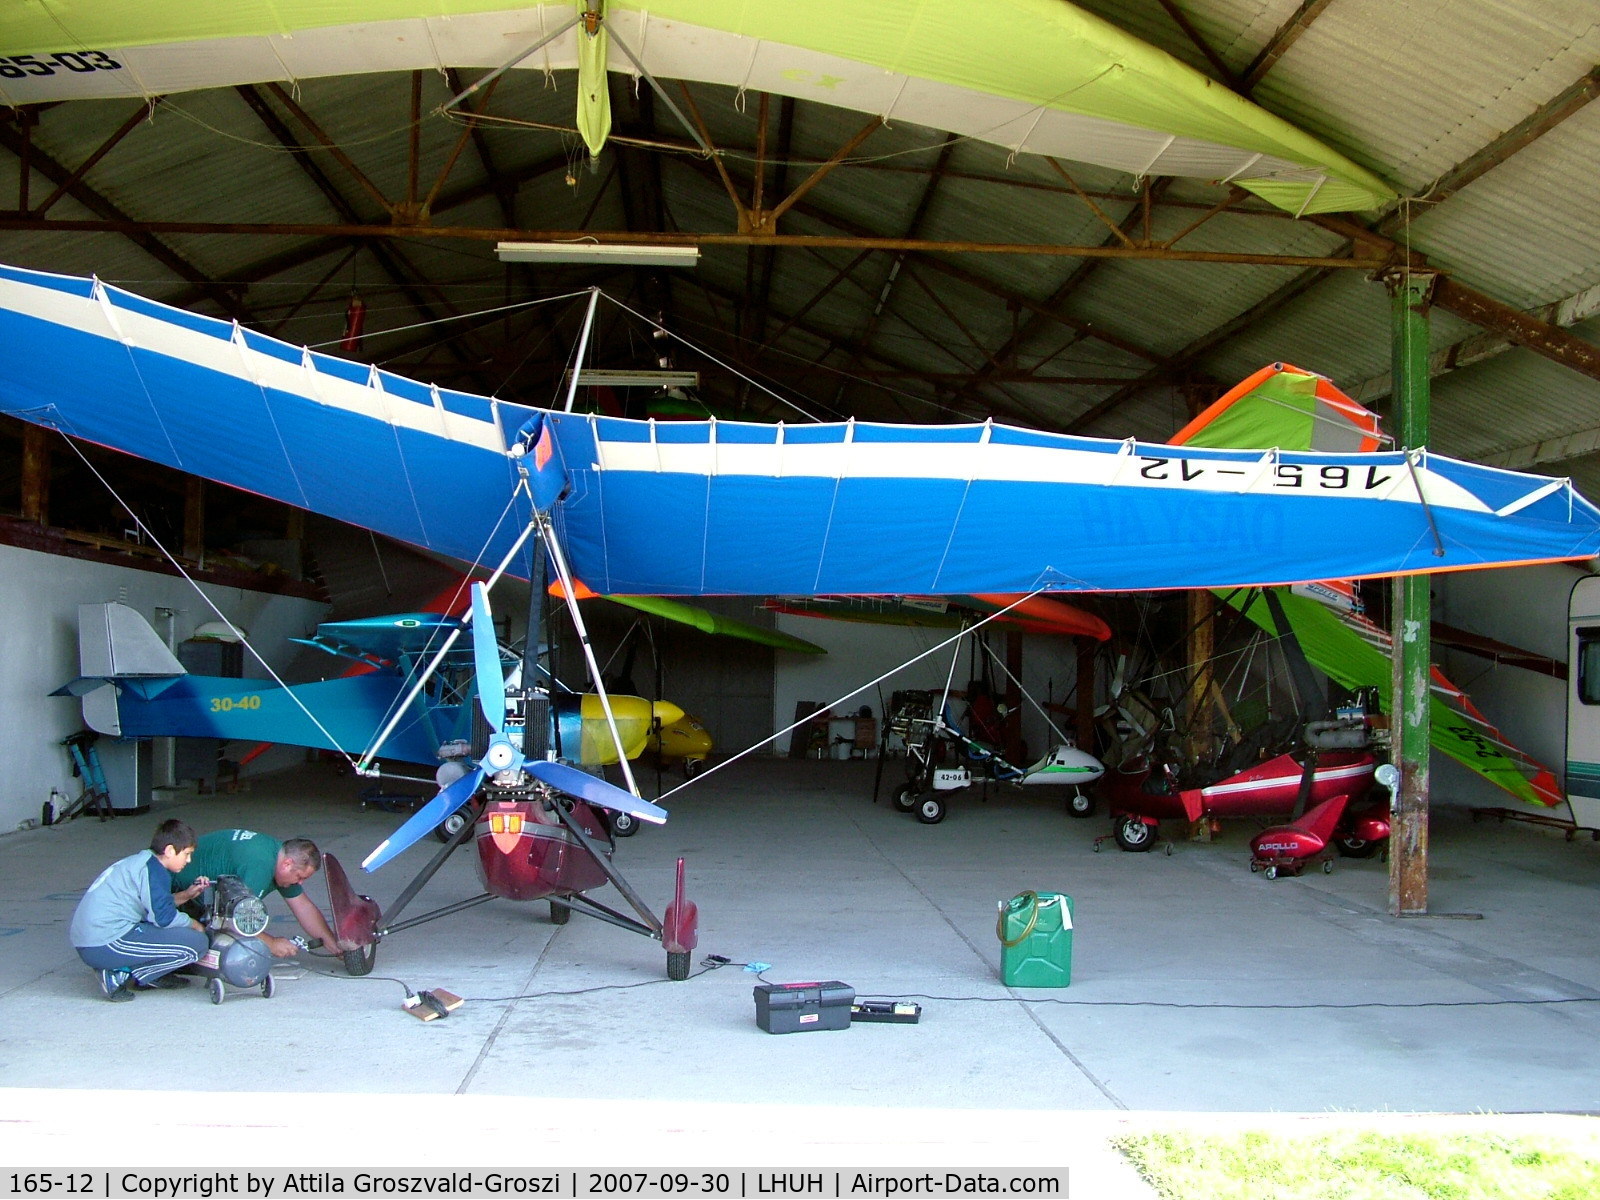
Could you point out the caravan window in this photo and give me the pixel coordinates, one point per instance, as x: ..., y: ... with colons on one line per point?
x: 1589, y: 664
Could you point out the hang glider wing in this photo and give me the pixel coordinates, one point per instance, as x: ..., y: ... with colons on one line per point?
x: 1033, y: 76
x: 702, y: 619
x: 1350, y: 649
x: 1045, y: 614
x: 1032, y: 614
x: 1283, y: 405
x: 834, y: 509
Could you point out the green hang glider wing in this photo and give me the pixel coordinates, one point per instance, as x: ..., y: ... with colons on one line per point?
x: 1033, y: 76
x: 1355, y: 653
x: 710, y: 622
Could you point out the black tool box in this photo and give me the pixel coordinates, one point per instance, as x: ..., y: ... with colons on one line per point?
x: 799, y: 1007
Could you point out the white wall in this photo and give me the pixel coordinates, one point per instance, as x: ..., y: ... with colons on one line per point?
x: 1527, y: 608
x: 859, y: 652
x: 39, y: 598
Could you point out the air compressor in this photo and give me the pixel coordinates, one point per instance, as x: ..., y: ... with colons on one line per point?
x: 236, y: 957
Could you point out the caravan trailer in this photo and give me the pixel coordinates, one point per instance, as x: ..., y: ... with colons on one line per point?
x: 1583, y: 703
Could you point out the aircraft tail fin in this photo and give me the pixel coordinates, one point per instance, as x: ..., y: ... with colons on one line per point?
x: 116, y: 645
x: 116, y: 642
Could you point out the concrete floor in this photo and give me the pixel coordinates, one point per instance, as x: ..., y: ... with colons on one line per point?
x: 1197, y: 988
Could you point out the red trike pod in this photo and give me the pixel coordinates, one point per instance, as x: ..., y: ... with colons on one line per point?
x: 1286, y: 849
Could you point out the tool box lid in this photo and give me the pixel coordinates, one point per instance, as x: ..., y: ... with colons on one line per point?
x: 826, y: 993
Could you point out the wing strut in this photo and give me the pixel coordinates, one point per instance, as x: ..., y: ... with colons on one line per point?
x: 364, y: 767
x: 547, y: 534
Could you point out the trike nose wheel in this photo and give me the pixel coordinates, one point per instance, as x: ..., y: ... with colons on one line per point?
x: 1133, y: 835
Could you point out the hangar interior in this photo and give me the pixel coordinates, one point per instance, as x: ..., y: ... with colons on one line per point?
x: 853, y: 263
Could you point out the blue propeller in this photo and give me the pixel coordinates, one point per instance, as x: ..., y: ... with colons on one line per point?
x: 503, y: 754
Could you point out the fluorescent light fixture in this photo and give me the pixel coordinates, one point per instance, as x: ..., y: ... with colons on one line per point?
x: 592, y: 377
x: 596, y: 253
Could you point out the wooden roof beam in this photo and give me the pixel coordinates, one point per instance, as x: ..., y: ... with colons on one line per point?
x: 1218, y: 64
x: 324, y: 246
x: 505, y: 191
x: 913, y: 229
x: 1181, y: 362
x: 1484, y: 345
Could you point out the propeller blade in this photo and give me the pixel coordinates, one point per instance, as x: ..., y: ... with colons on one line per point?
x: 424, y: 820
x: 592, y: 790
x: 486, y: 661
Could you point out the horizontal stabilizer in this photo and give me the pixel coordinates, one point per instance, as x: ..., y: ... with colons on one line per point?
x: 81, y: 686
x: 147, y: 687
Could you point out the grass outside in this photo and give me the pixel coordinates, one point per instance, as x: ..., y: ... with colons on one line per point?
x: 1362, y: 1164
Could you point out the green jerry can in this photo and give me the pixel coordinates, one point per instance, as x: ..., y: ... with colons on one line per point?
x: 1035, y: 931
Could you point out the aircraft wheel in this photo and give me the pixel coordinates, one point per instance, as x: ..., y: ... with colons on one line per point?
x: 217, y: 991
x: 622, y: 824
x: 560, y: 914
x: 451, y: 825
x: 905, y: 797
x: 360, y: 961
x: 1133, y: 835
x: 677, y: 965
x: 1167, y: 849
x: 1254, y: 866
x: 1354, y: 847
x: 1080, y: 804
x: 1327, y: 866
x: 693, y: 767
x: 930, y: 810
x: 269, y: 986
x: 1272, y: 872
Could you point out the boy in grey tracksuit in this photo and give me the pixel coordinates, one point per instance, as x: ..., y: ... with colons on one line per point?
x: 128, y: 927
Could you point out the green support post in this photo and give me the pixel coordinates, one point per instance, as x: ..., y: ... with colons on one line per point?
x: 1410, y: 616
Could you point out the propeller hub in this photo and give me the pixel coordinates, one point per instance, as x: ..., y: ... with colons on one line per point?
x: 502, y: 756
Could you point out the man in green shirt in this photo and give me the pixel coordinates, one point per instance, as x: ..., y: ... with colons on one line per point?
x: 263, y: 865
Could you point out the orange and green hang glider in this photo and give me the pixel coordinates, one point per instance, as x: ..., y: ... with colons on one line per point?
x: 1290, y: 408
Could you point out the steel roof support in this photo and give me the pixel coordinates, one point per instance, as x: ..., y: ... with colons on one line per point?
x: 117, y: 221
x: 1288, y: 33
x: 390, y: 258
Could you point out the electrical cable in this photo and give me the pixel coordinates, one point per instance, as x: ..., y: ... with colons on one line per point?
x: 715, y: 962
x: 1385, y: 1004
